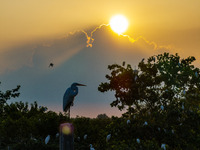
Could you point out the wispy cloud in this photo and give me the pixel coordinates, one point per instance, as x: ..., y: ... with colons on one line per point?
x: 90, y: 39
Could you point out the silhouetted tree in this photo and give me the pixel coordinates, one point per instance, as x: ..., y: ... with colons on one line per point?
x: 163, y: 80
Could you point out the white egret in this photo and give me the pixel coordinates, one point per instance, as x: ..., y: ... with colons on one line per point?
x: 68, y: 98
x: 196, y: 74
x: 47, y: 139
x: 91, y: 148
x: 128, y: 122
x: 172, y: 131
x: 162, y: 107
x: 108, y: 137
x: 57, y: 135
x: 135, y: 78
x: 184, y: 92
x: 145, y: 123
x: 163, y: 146
x: 138, y: 141
x: 165, y: 130
x: 183, y: 106
x: 32, y: 138
x: 85, y: 137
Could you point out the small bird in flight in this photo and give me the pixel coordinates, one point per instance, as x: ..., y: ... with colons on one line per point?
x: 51, y: 65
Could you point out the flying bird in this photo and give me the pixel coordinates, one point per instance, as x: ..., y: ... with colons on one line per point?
x: 108, y: 137
x: 51, y: 65
x: 68, y: 98
x: 47, y: 139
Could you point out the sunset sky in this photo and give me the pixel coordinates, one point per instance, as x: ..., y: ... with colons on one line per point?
x: 35, y: 33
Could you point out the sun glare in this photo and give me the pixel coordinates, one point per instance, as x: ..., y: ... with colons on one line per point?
x: 119, y: 24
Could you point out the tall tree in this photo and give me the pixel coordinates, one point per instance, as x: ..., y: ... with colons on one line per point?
x: 163, y: 80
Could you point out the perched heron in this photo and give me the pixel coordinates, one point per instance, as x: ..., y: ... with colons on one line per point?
x: 68, y: 98
x: 47, y: 139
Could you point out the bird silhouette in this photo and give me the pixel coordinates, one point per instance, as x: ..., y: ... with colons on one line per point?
x: 51, y: 65
x: 69, y: 95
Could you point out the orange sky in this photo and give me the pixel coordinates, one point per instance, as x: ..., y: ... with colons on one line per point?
x: 23, y: 20
x: 34, y: 33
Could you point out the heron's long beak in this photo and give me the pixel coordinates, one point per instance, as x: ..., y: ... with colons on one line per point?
x: 80, y: 84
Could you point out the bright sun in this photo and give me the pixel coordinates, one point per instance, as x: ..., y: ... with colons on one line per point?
x: 119, y: 24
